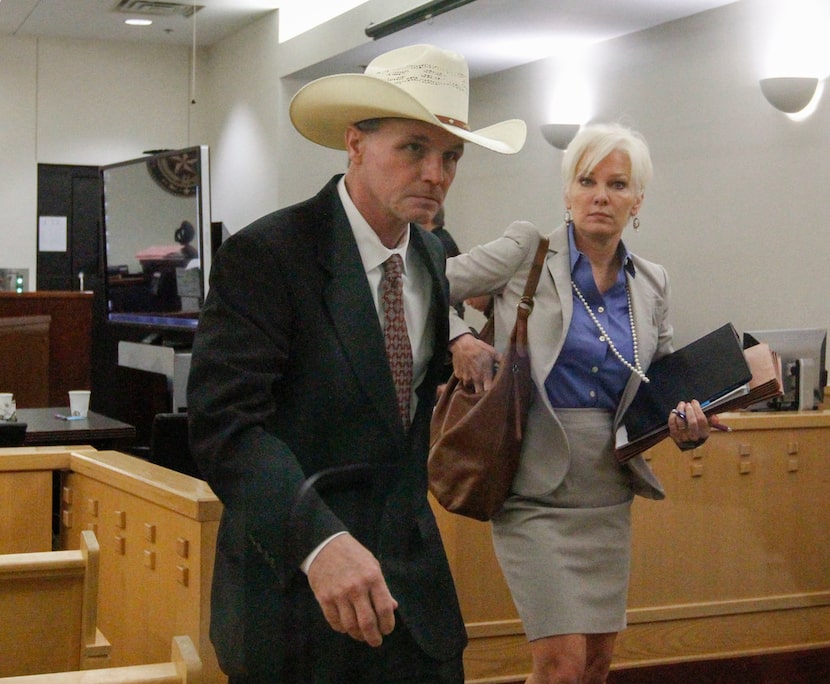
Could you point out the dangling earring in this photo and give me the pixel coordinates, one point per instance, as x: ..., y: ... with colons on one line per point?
x: 568, y: 217
x: 635, y: 222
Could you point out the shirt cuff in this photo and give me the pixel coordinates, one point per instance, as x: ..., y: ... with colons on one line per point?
x: 309, y: 559
x: 457, y: 325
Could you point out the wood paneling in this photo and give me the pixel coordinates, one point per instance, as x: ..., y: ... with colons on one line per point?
x: 24, y: 360
x: 25, y: 511
x: 184, y: 667
x: 157, y: 531
x: 70, y: 336
x: 734, y: 563
x: 48, y: 611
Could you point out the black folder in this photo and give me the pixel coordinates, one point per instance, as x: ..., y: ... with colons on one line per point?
x: 712, y: 369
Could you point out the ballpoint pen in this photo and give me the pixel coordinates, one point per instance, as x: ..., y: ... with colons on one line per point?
x: 714, y: 426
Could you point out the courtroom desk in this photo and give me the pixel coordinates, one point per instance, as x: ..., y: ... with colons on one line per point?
x: 44, y: 429
x: 735, y: 561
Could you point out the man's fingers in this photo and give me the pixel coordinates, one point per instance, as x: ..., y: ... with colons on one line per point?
x: 352, y: 593
x: 366, y: 628
x: 473, y: 362
x: 374, y: 615
x: 331, y: 612
x: 361, y: 620
x: 384, y: 607
x: 343, y: 617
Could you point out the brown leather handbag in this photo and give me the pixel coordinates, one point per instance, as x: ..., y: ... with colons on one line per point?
x: 476, y: 437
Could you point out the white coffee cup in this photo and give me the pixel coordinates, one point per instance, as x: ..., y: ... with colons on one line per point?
x: 8, y: 406
x: 78, y: 403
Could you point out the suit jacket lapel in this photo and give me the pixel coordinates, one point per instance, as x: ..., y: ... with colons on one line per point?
x: 351, y: 307
x: 438, y: 310
x: 642, y: 322
x: 552, y: 310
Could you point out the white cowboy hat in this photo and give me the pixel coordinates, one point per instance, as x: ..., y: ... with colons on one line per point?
x: 420, y: 82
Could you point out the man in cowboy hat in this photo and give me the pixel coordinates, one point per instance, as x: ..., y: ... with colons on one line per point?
x: 310, y: 429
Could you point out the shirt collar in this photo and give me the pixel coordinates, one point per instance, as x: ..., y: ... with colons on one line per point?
x: 372, y: 251
x: 622, y: 250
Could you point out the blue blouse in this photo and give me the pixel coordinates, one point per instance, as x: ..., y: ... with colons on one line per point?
x: 587, y: 374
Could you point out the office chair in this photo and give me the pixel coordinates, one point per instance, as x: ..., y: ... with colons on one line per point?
x: 12, y: 434
x: 170, y: 444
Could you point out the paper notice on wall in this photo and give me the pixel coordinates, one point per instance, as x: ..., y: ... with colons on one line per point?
x: 51, y: 234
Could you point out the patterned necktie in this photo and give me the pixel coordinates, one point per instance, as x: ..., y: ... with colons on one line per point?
x: 395, y: 335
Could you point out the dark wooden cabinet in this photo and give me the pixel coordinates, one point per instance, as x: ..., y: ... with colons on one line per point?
x: 70, y: 335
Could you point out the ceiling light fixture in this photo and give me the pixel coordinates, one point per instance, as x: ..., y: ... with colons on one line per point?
x: 138, y: 22
x: 414, y: 16
x: 789, y: 94
x: 559, y: 134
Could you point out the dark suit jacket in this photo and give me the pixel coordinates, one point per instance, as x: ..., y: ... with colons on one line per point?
x: 289, y: 377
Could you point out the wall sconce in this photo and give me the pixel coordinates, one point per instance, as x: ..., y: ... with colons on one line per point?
x: 789, y: 94
x: 559, y: 134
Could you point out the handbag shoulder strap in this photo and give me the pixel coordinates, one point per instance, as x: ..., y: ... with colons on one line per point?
x: 519, y: 335
x: 526, y: 302
x: 486, y: 334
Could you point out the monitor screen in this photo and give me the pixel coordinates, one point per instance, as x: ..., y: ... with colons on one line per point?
x: 157, y: 238
x: 802, y: 352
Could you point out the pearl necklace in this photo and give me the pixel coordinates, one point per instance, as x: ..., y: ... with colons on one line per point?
x: 636, y: 368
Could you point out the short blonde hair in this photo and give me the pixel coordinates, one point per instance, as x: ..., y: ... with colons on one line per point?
x: 594, y: 142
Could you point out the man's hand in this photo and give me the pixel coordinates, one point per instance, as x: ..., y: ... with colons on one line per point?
x: 348, y: 584
x: 473, y: 361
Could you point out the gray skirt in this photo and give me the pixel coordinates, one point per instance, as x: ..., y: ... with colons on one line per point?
x: 566, y: 556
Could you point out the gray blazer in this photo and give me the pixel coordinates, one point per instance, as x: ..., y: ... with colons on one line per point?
x: 501, y: 267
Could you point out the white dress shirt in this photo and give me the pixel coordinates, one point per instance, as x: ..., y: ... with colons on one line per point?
x: 417, y: 296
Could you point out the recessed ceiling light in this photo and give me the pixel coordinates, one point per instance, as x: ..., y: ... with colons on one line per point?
x: 138, y: 22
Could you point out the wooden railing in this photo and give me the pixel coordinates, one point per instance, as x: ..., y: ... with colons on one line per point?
x: 735, y: 561
x: 157, y: 536
x: 49, y: 609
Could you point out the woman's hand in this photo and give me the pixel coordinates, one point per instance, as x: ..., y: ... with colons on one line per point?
x: 688, y: 425
x: 473, y: 361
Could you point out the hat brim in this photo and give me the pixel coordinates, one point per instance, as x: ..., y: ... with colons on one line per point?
x: 322, y: 110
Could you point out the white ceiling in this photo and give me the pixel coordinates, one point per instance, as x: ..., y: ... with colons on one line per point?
x: 100, y: 19
x: 492, y: 34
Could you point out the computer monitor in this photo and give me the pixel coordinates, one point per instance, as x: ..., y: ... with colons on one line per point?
x: 802, y: 352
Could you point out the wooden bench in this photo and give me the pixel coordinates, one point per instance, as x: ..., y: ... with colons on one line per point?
x: 49, y: 611
x: 184, y: 667
x: 26, y: 486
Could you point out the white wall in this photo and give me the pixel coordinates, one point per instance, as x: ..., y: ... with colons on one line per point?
x: 244, y: 87
x: 306, y: 51
x: 85, y: 103
x: 18, y: 170
x: 103, y: 102
x: 738, y: 210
